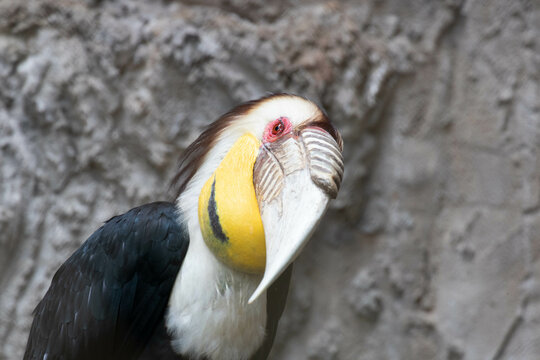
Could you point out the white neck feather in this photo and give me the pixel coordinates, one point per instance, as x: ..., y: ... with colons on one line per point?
x: 208, y: 311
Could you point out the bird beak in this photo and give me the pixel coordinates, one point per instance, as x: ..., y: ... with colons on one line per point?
x: 295, y: 177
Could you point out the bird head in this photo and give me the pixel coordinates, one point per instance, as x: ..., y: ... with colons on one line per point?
x: 261, y: 177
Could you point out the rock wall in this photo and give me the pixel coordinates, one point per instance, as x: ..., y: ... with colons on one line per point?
x: 431, y: 251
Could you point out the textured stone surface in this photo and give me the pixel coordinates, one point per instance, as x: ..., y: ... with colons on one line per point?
x: 432, y: 249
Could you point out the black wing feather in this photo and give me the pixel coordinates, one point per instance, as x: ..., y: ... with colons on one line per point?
x: 109, y: 298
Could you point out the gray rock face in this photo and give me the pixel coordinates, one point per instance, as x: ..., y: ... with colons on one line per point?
x: 432, y: 249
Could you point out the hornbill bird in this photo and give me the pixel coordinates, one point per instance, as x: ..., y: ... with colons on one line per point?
x: 205, y: 277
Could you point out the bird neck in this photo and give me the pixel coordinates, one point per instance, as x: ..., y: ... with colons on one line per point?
x: 208, y: 309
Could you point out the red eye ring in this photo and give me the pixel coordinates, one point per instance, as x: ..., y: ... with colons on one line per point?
x: 277, y: 128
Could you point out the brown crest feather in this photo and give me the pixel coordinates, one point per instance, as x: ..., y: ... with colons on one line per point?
x: 194, y: 155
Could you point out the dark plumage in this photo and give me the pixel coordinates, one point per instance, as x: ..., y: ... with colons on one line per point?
x: 106, y: 300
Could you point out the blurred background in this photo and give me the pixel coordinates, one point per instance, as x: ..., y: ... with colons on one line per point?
x: 431, y: 251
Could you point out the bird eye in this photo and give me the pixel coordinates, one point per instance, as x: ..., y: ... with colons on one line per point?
x: 276, y: 129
